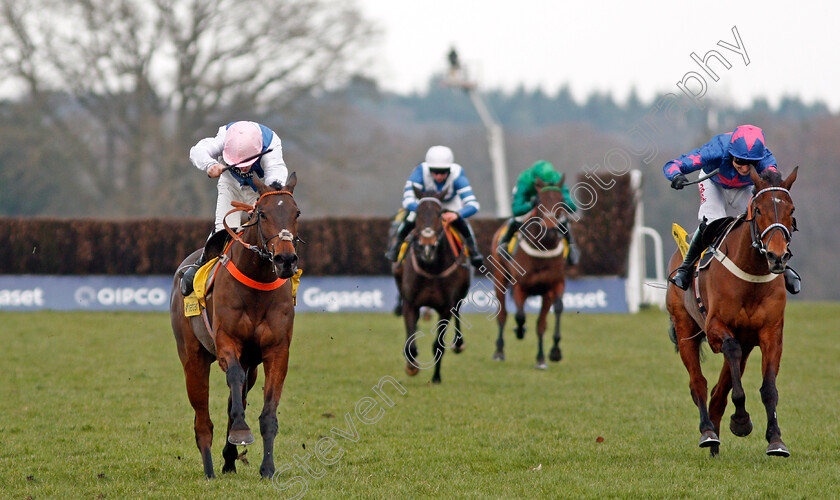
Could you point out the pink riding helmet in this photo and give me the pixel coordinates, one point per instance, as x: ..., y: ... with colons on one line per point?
x: 242, y: 140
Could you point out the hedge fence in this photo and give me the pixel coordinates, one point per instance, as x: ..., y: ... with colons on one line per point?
x: 334, y: 246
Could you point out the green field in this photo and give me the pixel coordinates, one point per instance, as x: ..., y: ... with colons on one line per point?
x: 93, y: 405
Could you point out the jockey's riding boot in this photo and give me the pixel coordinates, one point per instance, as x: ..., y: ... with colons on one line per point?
x: 682, y: 275
x: 574, y: 252
x: 394, y: 248
x: 463, y: 227
x: 513, y: 226
x: 793, y: 282
x: 189, y: 275
x: 212, y: 247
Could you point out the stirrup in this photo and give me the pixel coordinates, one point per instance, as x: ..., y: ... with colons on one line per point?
x: 681, y: 272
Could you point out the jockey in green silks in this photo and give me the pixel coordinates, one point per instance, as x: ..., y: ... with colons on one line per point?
x: 525, y: 199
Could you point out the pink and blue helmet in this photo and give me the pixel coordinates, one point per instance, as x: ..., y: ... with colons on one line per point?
x: 747, y: 143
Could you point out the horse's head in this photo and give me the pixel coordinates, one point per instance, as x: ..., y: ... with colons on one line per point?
x: 771, y: 217
x: 542, y: 227
x: 275, y: 216
x: 429, y: 223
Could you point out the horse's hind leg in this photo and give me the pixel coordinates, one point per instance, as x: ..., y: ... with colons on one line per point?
x: 555, y: 354
x: 229, y: 452
x: 197, y: 373
x: 276, y: 366
x: 771, y: 355
x: 689, y: 342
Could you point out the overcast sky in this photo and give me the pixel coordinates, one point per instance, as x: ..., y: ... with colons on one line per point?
x: 613, y: 46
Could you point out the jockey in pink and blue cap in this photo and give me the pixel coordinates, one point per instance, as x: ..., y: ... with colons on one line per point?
x: 726, y: 193
x: 239, y: 151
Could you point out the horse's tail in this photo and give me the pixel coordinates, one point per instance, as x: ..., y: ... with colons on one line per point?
x: 672, y: 334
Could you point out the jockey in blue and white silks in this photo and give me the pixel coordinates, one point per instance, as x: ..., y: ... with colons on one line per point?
x: 440, y: 174
x: 728, y: 192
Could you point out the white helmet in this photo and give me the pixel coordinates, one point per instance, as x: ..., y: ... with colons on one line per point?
x: 439, y: 157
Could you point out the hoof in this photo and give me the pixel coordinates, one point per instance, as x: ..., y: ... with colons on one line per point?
x: 520, y: 333
x: 709, y: 439
x: 555, y: 355
x: 778, y: 449
x: 459, y: 348
x: 499, y: 356
x: 266, y: 472
x: 229, y: 469
x: 740, y: 427
x: 714, y: 450
x: 411, y: 369
x: 241, y: 438
x: 541, y: 365
x: 435, y: 380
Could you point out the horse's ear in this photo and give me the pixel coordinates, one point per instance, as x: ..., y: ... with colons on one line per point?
x: 261, y: 187
x: 756, y: 179
x: 539, y: 184
x: 787, y: 183
x: 417, y: 193
x: 290, y: 182
x: 440, y: 195
x: 562, y: 181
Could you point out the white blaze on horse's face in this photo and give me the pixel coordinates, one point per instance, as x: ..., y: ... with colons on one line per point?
x: 280, y: 203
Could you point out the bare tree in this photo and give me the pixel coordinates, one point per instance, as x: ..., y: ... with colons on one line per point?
x: 127, y: 86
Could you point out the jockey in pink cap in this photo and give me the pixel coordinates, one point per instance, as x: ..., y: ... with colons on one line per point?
x: 239, y: 151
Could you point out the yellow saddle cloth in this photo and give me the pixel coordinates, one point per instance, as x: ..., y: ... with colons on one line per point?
x: 201, y: 286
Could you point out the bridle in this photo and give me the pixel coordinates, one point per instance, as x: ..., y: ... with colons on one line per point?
x: 428, y: 232
x: 256, y: 213
x: 758, y: 237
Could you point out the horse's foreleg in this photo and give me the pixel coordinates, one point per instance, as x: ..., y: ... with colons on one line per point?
x: 519, y: 298
x: 541, y: 325
x: 410, y: 316
x: 717, y: 401
x: 276, y: 365
x: 740, y: 423
x: 239, y: 433
x: 555, y: 354
x: 439, y: 348
x: 771, y: 356
x: 197, y: 373
x: 229, y: 452
x: 459, y: 337
x: 499, y: 355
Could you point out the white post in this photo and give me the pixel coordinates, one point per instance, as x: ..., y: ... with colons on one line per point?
x: 496, y: 140
x: 639, y: 291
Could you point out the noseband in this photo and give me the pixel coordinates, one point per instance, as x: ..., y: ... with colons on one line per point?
x: 758, y: 237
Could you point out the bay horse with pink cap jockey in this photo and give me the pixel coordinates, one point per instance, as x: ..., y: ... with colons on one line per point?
x: 737, y: 302
x: 248, y: 321
x: 239, y: 153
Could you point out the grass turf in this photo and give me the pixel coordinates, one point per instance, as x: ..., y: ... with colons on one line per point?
x: 94, y: 405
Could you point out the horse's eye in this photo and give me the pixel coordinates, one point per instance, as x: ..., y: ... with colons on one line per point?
x: 792, y: 210
x: 757, y: 211
x: 298, y: 214
x: 262, y: 215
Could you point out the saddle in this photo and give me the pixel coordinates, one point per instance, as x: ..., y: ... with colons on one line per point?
x: 516, y: 242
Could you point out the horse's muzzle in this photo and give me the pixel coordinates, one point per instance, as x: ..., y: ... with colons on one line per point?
x: 777, y: 263
x: 285, y: 264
